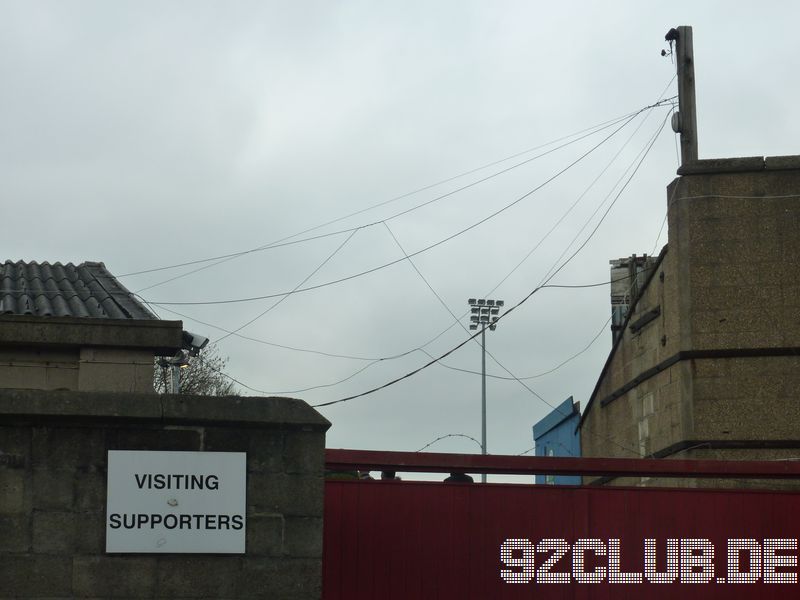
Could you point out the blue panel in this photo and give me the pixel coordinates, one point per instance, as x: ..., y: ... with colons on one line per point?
x: 555, y: 435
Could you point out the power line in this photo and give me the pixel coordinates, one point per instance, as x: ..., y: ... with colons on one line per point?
x: 457, y: 319
x: 309, y: 276
x: 411, y: 351
x: 577, y: 201
x: 375, y: 360
x: 425, y: 249
x: 273, y: 344
x: 501, y: 365
x: 504, y: 315
x: 226, y: 258
x: 644, y: 150
x: 278, y: 243
x: 543, y: 373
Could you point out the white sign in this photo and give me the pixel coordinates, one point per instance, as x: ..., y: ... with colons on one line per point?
x: 176, y: 502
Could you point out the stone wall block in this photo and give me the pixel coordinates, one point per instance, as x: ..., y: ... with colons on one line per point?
x: 265, y: 535
x: 287, y: 579
x: 266, y: 451
x: 290, y: 495
x: 15, y: 534
x: 90, y: 489
x: 90, y: 533
x: 197, y: 577
x: 218, y: 439
x: 304, y: 452
x: 12, y: 491
x: 303, y: 537
x: 35, y: 576
x: 54, y: 532
x: 53, y: 490
x: 72, y: 446
x: 114, y: 577
x: 15, y: 441
x: 181, y: 439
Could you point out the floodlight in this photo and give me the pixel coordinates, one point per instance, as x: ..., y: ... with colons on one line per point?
x: 471, y: 301
x: 481, y: 302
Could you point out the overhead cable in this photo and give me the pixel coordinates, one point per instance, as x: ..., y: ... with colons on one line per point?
x: 508, y: 312
x: 416, y: 253
x: 277, y: 243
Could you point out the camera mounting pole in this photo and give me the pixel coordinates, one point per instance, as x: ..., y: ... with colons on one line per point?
x: 684, y: 121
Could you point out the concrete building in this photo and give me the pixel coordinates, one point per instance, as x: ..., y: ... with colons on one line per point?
x: 67, y: 327
x: 557, y: 435
x: 707, y: 362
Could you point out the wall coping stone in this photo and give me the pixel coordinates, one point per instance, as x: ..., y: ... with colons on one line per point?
x: 124, y: 407
x: 163, y: 337
x: 740, y: 165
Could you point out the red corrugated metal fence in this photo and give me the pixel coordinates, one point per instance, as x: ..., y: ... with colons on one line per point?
x: 426, y: 540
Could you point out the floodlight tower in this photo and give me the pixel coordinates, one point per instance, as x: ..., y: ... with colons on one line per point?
x: 484, y: 313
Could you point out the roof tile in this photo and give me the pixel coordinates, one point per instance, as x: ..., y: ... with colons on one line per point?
x: 86, y: 290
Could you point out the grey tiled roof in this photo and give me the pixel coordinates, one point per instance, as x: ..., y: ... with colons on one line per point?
x: 86, y: 290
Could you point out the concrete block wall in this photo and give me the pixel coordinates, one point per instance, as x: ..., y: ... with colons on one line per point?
x: 736, y: 238
x: 651, y: 415
x: 38, y: 369
x: 84, y: 369
x: 53, y: 456
x: 115, y: 370
x: 729, y: 300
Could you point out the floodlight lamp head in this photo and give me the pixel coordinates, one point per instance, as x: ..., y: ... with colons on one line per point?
x: 194, y: 342
x: 473, y: 326
x: 481, y: 302
x: 471, y: 301
x: 490, y: 302
x: 499, y: 303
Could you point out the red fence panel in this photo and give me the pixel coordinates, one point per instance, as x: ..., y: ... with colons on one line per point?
x: 423, y: 540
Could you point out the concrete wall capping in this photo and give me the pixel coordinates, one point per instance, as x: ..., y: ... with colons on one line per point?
x: 164, y: 337
x: 166, y: 409
x: 740, y: 165
x: 780, y: 163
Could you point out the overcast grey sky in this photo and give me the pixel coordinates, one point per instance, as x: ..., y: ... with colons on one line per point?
x: 145, y: 134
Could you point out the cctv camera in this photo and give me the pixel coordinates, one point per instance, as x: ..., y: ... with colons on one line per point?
x: 194, y: 342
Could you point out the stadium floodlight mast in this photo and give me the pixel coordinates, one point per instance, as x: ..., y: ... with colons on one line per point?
x: 484, y: 313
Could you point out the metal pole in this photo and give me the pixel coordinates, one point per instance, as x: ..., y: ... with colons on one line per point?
x: 483, y: 397
x: 176, y: 379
